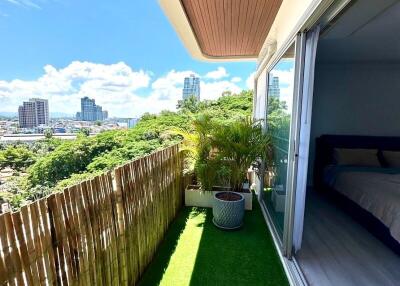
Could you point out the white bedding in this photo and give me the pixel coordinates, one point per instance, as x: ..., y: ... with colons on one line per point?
x: 376, y: 192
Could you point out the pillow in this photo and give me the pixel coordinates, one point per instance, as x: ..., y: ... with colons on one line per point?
x: 392, y: 158
x: 356, y: 157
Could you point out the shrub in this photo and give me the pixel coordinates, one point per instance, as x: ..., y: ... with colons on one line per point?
x: 70, y: 158
x: 16, y: 157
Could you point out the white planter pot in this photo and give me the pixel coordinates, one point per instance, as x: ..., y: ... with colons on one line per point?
x: 248, y: 200
x: 195, y: 197
x: 278, y: 198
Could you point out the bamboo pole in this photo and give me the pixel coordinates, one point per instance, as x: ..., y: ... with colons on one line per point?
x: 96, y: 232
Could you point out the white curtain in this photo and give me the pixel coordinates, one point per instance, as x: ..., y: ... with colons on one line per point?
x: 304, y: 141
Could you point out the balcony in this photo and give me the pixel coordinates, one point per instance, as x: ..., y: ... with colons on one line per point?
x: 129, y: 227
x: 195, y: 252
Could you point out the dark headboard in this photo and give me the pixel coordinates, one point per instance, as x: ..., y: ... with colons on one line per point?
x: 326, y: 143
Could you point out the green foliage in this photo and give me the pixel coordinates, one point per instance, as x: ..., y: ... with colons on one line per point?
x: 226, y: 108
x: 119, y: 156
x: 238, y: 144
x: 190, y: 104
x: 16, y: 157
x: 43, y: 147
x: 36, y: 193
x: 197, y: 146
x: 48, y: 133
x: 278, y: 129
x: 71, y: 157
x: 59, y: 164
x: 84, y: 131
x: 232, y: 108
x: 17, y: 195
x: 198, y: 139
x: 196, y: 143
x: 278, y: 116
x: 73, y: 180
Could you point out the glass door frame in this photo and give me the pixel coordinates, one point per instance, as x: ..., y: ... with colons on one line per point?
x: 286, y: 243
x: 295, y: 138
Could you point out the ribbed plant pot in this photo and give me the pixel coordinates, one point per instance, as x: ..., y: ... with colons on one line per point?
x: 228, y: 214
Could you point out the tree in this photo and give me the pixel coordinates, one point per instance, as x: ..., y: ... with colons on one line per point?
x: 190, y: 104
x: 227, y: 93
x: 84, y: 131
x: 104, y: 151
x: 71, y: 157
x: 48, y: 133
x: 16, y: 158
x: 43, y: 147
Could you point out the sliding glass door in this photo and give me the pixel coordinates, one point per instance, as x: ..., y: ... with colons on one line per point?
x: 279, y: 119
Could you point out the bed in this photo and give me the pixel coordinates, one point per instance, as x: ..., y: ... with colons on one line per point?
x: 369, y: 193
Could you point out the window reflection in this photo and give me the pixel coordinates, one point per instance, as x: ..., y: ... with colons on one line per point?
x: 279, y: 110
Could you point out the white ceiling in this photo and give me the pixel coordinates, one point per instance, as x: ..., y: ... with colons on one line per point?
x: 369, y: 31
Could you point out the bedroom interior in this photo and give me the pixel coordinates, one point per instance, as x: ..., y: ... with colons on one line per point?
x: 351, y: 230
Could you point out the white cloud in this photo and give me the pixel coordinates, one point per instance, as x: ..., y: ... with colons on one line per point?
x: 286, y: 77
x: 167, y: 90
x: 213, y: 90
x: 217, y: 74
x: 236, y: 79
x: 112, y: 86
x: 250, y: 81
x: 122, y: 91
x: 24, y: 3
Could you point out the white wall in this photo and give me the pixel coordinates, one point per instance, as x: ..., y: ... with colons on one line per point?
x: 355, y: 99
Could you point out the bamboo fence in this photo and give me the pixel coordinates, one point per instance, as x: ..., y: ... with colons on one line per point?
x: 103, y: 231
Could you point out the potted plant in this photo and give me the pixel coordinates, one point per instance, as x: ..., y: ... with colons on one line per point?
x: 220, y: 155
x: 238, y: 144
x: 197, y: 147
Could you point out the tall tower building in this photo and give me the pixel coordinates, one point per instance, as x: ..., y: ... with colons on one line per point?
x: 33, y: 113
x: 42, y: 111
x: 90, y: 111
x: 191, y: 87
x: 273, y: 87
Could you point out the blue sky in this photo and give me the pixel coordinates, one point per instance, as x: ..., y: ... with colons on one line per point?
x: 124, y: 53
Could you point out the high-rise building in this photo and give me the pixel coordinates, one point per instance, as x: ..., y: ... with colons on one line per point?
x: 33, y: 113
x: 273, y: 87
x: 90, y: 111
x: 191, y: 87
x: 105, y: 114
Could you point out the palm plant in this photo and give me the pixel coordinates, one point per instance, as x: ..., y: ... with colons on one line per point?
x: 196, y: 146
x: 221, y: 153
x: 239, y: 144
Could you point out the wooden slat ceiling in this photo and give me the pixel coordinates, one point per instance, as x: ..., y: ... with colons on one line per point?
x: 231, y: 28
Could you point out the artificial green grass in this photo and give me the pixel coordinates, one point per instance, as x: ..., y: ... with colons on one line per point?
x: 195, y: 252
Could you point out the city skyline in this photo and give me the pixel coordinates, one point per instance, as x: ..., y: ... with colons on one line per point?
x: 36, y: 111
x: 120, y: 65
